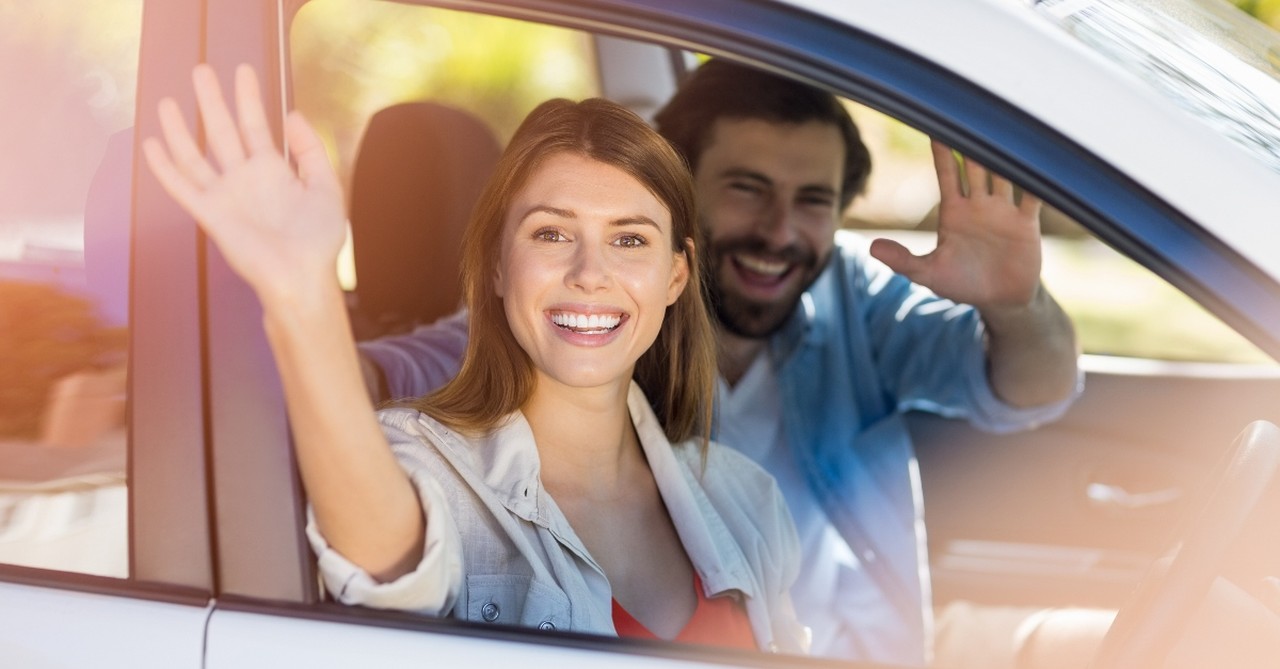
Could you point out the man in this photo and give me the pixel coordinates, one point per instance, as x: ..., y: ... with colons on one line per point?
x: 824, y: 346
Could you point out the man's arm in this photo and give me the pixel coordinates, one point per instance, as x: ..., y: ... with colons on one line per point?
x: 375, y: 382
x: 414, y: 364
x: 988, y: 255
x: 1031, y: 351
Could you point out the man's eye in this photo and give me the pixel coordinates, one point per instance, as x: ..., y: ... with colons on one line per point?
x: 745, y: 188
x: 548, y: 235
x: 817, y: 201
x: 632, y: 241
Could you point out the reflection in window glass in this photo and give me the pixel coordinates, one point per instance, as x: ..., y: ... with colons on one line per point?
x: 69, y: 74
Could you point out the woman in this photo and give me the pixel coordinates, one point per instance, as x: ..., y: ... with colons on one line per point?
x: 540, y: 486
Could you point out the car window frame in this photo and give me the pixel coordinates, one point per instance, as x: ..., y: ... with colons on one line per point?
x: 268, y: 519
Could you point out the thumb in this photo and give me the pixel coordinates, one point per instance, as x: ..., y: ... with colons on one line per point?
x: 313, y: 161
x: 899, y: 259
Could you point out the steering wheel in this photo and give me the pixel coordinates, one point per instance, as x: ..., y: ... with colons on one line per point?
x: 1148, y: 626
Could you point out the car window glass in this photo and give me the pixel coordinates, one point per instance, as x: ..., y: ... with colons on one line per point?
x: 1119, y: 307
x: 68, y: 73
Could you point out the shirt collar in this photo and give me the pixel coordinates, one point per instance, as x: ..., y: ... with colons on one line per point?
x: 508, y: 463
x: 707, y: 541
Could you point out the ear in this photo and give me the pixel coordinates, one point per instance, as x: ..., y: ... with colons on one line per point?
x: 680, y: 271
x: 498, y: 283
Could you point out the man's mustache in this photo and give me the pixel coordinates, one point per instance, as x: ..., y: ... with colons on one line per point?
x: 790, y: 254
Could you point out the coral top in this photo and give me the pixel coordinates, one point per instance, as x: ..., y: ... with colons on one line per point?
x: 715, y: 622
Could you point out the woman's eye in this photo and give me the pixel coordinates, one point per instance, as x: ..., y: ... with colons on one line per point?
x: 631, y: 241
x: 548, y: 235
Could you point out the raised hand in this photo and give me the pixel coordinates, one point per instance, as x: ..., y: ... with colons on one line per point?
x: 279, y: 229
x: 988, y: 251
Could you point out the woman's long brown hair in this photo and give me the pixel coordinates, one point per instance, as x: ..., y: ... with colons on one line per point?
x: 677, y: 373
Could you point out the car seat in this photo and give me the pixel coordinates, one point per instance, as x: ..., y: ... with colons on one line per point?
x: 418, y: 173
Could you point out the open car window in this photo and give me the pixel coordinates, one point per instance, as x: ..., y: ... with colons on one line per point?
x: 358, y: 67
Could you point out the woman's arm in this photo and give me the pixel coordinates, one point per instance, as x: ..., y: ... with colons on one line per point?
x: 281, y: 231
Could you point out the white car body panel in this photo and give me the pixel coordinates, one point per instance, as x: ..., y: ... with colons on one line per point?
x: 96, y: 631
x: 1008, y: 49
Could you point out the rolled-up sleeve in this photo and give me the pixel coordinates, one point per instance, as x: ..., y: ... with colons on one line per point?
x: 433, y: 585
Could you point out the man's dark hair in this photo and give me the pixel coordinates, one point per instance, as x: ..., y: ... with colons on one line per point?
x: 721, y: 89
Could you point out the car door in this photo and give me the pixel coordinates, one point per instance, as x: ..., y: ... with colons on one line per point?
x: 104, y: 539
x: 269, y: 606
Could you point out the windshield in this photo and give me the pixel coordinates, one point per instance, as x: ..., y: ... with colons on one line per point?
x: 1215, y: 61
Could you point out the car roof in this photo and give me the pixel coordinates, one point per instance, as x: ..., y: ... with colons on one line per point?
x: 1013, y: 49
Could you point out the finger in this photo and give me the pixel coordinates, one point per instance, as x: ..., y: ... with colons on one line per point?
x: 187, y: 156
x: 944, y: 163
x: 1001, y: 188
x: 308, y: 150
x: 979, y: 177
x: 899, y: 259
x: 171, y: 177
x: 254, y: 129
x: 1029, y: 205
x: 219, y: 129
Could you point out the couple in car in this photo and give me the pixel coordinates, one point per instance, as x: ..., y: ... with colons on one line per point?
x: 571, y: 475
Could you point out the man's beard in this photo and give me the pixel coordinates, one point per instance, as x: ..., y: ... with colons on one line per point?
x: 746, y: 317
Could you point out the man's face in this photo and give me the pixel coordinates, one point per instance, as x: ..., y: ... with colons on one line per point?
x: 769, y: 196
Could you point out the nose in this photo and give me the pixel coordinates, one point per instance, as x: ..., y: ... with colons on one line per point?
x: 776, y: 224
x: 589, y: 269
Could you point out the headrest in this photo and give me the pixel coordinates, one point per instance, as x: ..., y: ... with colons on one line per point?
x: 420, y: 168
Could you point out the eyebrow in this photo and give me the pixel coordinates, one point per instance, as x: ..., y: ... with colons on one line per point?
x: 568, y: 213
x: 743, y: 173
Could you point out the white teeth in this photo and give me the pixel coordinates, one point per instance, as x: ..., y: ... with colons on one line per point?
x: 585, y: 323
x: 761, y: 266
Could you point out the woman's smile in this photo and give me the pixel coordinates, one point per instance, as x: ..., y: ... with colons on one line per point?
x: 589, y: 328
x: 588, y: 270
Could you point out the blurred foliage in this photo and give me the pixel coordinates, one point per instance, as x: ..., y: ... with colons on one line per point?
x: 1122, y: 308
x: 351, y: 58
x: 46, y: 334
x: 1267, y: 11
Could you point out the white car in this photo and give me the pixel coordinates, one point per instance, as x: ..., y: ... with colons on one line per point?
x: 155, y: 518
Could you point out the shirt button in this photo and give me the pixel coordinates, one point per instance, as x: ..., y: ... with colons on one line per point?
x: 546, y: 625
x: 490, y: 612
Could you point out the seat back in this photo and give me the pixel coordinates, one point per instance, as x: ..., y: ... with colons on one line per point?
x: 419, y: 171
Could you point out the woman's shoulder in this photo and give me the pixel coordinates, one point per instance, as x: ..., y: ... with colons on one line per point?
x: 417, y: 439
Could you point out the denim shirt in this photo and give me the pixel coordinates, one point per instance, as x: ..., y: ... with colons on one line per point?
x: 864, y: 346
x: 498, y: 550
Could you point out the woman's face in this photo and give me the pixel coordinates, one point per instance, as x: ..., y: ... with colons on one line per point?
x: 587, y: 270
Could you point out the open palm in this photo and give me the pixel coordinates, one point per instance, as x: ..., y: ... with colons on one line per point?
x: 988, y: 251
x: 279, y: 229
